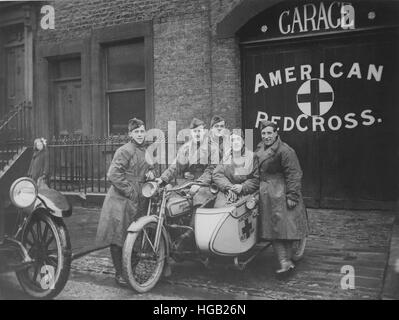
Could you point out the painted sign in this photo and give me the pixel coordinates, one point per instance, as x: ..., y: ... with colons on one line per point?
x: 315, y: 95
x: 300, y: 18
x: 317, y: 16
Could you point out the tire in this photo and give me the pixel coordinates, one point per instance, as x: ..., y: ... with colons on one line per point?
x: 35, y: 280
x: 132, y: 264
x: 299, y: 249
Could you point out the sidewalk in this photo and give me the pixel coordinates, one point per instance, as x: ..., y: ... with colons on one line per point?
x: 359, y: 239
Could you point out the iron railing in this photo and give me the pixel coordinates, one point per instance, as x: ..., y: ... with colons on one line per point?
x: 15, y: 132
x: 80, y: 165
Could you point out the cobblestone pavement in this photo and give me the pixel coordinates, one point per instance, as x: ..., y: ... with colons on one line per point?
x: 338, y: 237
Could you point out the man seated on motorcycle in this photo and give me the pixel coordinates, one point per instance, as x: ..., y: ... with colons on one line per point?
x: 194, y: 159
x: 218, y: 140
x: 237, y: 175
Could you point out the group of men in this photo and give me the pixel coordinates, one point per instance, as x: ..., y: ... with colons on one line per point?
x: 209, y: 157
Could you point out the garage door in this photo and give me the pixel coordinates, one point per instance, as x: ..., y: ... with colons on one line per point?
x: 336, y: 101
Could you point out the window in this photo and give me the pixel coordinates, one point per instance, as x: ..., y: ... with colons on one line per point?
x: 125, y: 84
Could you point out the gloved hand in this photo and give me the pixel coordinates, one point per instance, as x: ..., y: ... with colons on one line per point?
x: 231, y: 196
x: 150, y: 175
x: 237, y: 188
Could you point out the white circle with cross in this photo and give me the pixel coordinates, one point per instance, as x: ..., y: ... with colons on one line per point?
x: 315, y: 97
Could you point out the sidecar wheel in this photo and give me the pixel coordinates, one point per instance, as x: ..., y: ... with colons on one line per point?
x: 299, y: 249
x: 47, y: 242
x: 142, y: 266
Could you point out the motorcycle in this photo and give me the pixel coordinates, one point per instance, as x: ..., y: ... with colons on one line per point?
x: 227, y: 235
x: 36, y: 244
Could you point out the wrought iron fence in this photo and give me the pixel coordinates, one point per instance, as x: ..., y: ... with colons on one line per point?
x: 15, y: 131
x: 80, y: 164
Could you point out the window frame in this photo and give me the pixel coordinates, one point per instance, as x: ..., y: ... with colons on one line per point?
x: 107, y: 91
x: 108, y: 36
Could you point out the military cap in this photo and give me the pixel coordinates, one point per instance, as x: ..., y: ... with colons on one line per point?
x: 134, y: 124
x: 267, y: 123
x: 196, y: 123
x: 216, y: 119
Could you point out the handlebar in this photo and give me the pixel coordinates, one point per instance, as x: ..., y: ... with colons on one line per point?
x: 187, y: 185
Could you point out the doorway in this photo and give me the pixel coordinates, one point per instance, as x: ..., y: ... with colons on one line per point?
x: 66, y: 110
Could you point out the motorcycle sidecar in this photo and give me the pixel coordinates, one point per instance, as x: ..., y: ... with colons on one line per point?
x: 228, y: 231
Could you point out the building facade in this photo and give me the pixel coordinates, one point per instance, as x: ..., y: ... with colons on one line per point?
x: 325, y: 71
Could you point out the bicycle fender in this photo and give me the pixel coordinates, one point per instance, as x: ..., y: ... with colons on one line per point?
x: 137, y: 225
x: 141, y: 222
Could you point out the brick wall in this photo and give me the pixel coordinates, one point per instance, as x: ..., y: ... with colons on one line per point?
x: 75, y: 18
x: 226, y: 66
x: 182, y: 83
x: 194, y: 73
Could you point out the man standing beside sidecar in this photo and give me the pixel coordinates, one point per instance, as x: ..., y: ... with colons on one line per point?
x: 283, y: 215
x: 124, y: 203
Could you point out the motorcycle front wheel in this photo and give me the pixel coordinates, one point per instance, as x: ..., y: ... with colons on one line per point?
x: 47, y: 241
x: 142, y: 264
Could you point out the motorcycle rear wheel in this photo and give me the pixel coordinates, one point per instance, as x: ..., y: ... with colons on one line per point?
x: 142, y: 266
x: 47, y: 242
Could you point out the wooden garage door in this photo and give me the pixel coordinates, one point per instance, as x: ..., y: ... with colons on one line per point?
x: 336, y: 102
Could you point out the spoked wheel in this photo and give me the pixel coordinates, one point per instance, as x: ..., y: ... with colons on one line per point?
x: 47, y: 242
x: 299, y: 249
x: 142, y: 264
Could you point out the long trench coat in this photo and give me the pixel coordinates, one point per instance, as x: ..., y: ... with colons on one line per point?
x: 280, y: 179
x: 242, y: 171
x: 123, y: 203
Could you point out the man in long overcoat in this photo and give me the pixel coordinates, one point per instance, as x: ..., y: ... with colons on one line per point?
x: 282, y: 211
x: 124, y: 203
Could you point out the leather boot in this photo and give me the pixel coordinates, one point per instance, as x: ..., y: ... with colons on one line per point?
x: 116, y: 255
x: 285, y: 263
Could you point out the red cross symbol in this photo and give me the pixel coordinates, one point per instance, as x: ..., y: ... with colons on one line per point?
x: 315, y: 97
